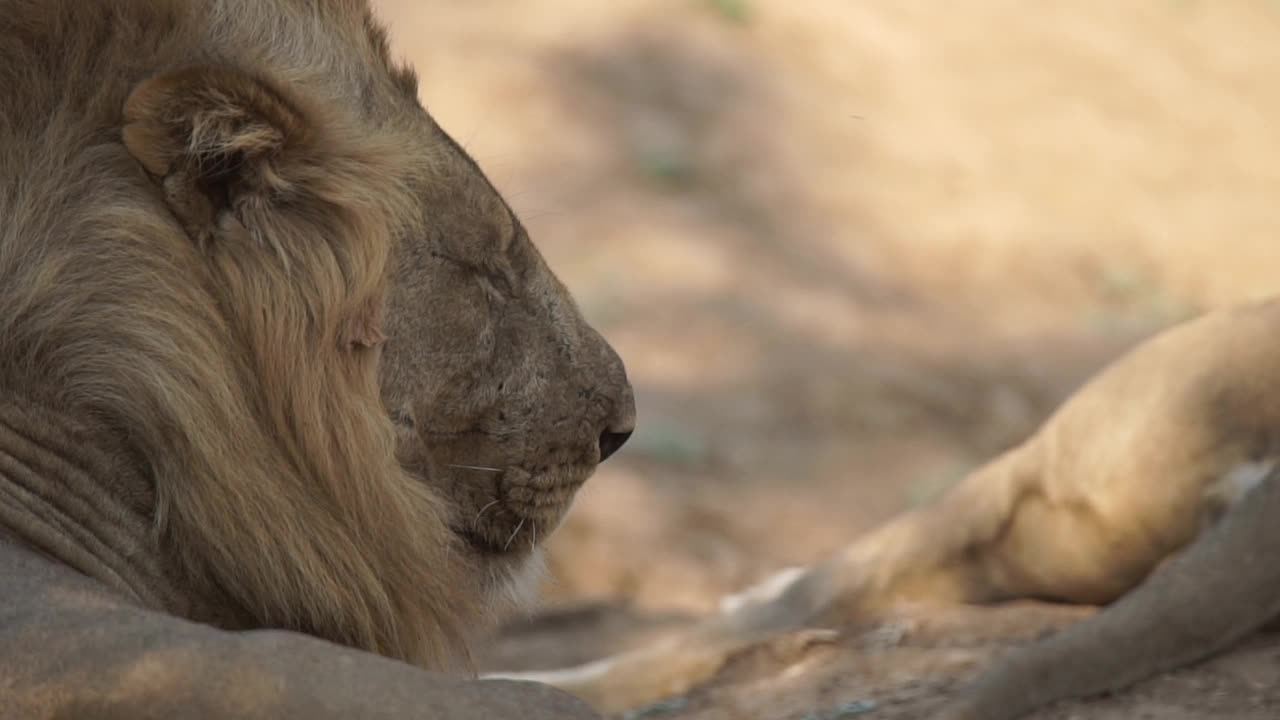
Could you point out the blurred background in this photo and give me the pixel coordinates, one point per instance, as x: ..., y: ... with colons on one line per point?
x: 849, y: 250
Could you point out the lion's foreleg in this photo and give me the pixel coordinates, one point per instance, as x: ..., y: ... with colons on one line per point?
x: 1223, y: 587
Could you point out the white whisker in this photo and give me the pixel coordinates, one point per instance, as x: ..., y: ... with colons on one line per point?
x: 513, y: 535
x: 476, y: 467
x: 475, y: 524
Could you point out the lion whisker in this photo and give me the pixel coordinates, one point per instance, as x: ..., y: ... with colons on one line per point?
x: 475, y: 524
x: 476, y: 467
x: 513, y: 534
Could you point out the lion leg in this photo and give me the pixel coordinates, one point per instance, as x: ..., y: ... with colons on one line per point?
x: 938, y: 554
x: 997, y: 535
x: 680, y: 662
x: 1219, y: 590
x: 923, y: 555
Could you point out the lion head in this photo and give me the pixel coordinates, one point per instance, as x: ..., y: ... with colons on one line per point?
x: 358, y: 394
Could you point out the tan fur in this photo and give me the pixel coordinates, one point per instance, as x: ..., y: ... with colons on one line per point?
x: 1180, y: 431
x: 215, y: 213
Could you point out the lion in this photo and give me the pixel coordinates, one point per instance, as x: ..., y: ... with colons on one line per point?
x: 288, y: 398
x: 1175, y: 444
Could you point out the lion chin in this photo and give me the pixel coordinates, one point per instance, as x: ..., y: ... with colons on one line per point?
x: 509, y: 509
x: 530, y: 508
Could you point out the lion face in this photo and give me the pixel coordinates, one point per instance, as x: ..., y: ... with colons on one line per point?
x: 504, y: 397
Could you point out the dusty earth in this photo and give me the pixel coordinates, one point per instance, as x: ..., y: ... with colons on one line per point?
x: 848, y: 251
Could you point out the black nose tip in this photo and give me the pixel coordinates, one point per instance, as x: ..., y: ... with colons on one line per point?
x: 610, y: 442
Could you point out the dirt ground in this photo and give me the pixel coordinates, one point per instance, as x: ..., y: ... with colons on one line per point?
x: 848, y: 251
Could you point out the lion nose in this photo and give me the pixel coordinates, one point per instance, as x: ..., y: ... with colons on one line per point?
x: 619, y: 426
x: 610, y: 442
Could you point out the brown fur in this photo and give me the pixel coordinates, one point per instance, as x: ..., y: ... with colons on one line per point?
x: 1180, y: 432
x: 215, y: 213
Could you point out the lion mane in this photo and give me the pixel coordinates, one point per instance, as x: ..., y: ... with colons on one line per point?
x: 210, y: 290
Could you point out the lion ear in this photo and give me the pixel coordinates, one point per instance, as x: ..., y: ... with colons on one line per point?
x: 213, y: 135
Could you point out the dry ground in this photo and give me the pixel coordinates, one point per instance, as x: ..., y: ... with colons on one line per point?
x: 848, y: 250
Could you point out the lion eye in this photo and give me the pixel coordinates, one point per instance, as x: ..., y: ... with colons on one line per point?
x: 495, y: 278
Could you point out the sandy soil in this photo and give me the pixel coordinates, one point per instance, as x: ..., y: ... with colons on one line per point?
x: 848, y: 251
